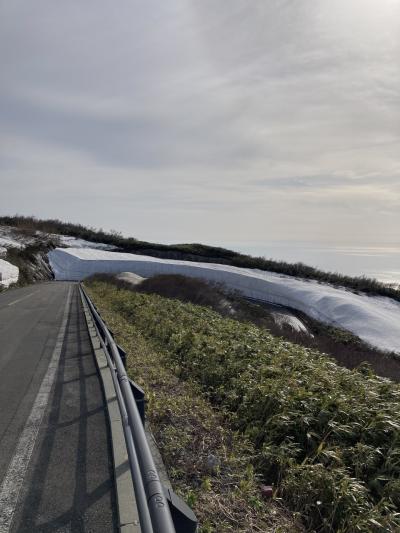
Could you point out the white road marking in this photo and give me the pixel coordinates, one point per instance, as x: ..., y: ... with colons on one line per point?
x: 21, y: 299
x: 14, y: 478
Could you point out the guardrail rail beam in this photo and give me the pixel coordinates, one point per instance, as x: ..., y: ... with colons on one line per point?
x: 160, y: 509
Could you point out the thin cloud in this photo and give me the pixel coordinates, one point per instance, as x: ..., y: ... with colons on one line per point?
x: 282, y: 114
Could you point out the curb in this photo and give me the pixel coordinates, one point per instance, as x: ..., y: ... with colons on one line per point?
x: 128, y: 517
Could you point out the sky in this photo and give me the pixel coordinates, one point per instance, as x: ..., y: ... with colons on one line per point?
x: 233, y: 123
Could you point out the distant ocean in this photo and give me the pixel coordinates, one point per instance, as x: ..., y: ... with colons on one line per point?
x: 374, y: 261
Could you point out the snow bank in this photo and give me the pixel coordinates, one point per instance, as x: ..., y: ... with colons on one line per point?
x: 376, y: 320
x: 8, y: 273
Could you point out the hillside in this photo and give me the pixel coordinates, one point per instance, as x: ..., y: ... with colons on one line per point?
x: 24, y: 253
x: 23, y: 256
x: 347, y: 349
x: 194, y: 252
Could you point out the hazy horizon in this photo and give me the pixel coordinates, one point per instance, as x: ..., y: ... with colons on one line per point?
x: 208, y: 122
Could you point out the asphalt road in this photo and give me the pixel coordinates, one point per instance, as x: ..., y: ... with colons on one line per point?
x: 55, y: 459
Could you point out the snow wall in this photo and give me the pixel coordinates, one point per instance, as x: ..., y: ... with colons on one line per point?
x: 376, y: 319
x: 8, y: 273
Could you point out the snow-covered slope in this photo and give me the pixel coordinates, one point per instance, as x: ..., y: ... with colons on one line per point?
x: 74, y: 242
x: 376, y: 320
x: 11, y: 239
x: 8, y: 273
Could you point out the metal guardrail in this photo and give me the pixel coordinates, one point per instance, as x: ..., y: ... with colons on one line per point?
x: 157, y: 506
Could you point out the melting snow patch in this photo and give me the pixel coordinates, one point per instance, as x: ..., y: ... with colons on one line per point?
x: 283, y: 319
x: 130, y: 277
x: 374, y: 319
x: 8, y: 273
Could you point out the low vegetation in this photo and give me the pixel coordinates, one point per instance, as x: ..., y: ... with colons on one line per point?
x: 326, y: 438
x: 347, y: 349
x: 198, y: 252
x: 210, y: 466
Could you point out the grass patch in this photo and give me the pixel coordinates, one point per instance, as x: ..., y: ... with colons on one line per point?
x: 326, y: 437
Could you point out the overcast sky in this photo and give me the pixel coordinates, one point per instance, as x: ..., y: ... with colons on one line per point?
x: 204, y: 120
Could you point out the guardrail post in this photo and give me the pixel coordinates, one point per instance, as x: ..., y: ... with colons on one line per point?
x: 183, y: 517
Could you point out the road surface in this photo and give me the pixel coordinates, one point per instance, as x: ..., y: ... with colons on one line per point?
x: 55, y: 460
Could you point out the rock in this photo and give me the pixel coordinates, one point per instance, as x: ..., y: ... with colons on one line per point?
x: 213, y: 463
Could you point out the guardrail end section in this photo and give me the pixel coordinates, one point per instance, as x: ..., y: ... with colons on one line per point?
x: 183, y: 517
